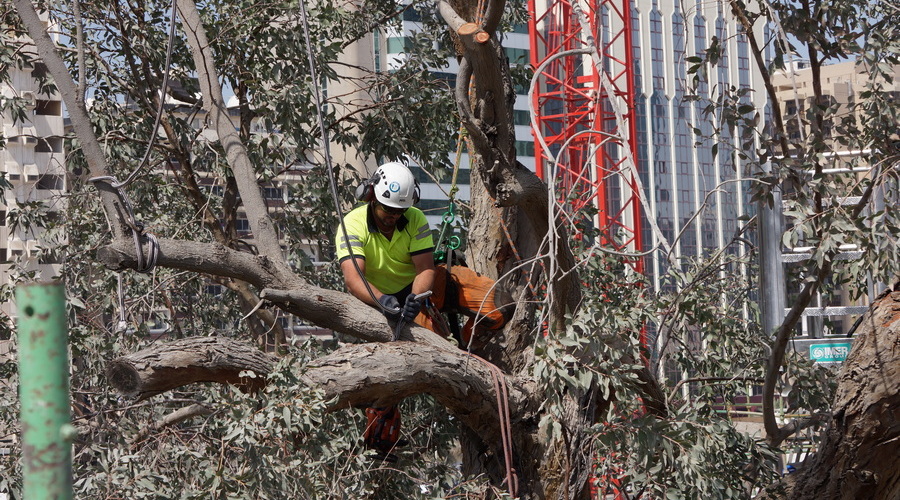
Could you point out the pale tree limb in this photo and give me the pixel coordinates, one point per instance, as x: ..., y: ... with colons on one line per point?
x: 330, y: 309
x: 384, y: 374
x: 358, y: 375
x: 81, y: 122
x: 266, y: 238
x: 180, y: 362
x: 174, y: 418
x: 206, y: 258
x: 344, y: 313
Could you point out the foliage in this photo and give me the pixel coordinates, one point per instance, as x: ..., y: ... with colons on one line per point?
x: 600, y: 353
x: 283, y: 438
x: 692, y: 454
x: 251, y: 446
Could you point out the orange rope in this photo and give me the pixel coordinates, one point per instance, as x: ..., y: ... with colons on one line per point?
x: 479, y: 14
x: 500, y: 389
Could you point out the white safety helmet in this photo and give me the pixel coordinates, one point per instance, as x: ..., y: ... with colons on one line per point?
x: 395, y: 186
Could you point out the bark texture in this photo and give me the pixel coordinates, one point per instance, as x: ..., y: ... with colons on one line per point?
x: 164, y: 367
x: 860, y: 453
x: 360, y: 375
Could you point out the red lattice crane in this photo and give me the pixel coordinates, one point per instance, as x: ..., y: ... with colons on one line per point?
x: 570, y: 98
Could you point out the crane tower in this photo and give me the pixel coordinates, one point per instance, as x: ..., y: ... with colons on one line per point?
x: 586, y: 116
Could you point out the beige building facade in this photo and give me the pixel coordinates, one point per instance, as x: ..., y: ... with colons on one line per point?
x: 32, y: 160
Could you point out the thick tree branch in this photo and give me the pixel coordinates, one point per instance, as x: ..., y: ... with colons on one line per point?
x: 383, y: 374
x: 206, y: 258
x: 214, y: 104
x: 174, y: 364
x: 356, y: 375
x: 461, y: 95
x: 346, y: 314
x: 330, y: 309
x: 493, y: 14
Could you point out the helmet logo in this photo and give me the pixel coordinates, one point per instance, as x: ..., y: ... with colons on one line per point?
x: 394, y: 186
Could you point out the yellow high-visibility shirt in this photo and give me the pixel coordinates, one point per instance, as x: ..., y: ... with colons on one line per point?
x: 389, y: 264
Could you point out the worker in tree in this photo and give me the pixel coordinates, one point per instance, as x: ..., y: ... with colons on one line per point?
x: 389, y: 247
x: 391, y: 244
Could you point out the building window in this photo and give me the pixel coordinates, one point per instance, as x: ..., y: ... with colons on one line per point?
x: 47, y: 257
x: 49, y: 145
x: 273, y: 193
x: 521, y: 117
x: 517, y: 56
x: 398, y: 45
x: 433, y: 207
x: 450, y: 78
x: 48, y: 108
x: 51, y: 182
x: 524, y: 148
x: 412, y: 14
x: 520, y: 28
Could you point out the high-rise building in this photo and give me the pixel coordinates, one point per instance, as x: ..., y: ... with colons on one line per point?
x: 384, y: 51
x: 690, y: 178
x: 834, y: 312
x: 32, y: 162
x: 841, y: 85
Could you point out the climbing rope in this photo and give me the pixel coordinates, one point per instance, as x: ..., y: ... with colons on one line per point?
x: 498, y: 378
x: 162, y: 102
x: 137, y: 228
x: 446, y: 246
x: 332, y: 183
x: 145, y: 264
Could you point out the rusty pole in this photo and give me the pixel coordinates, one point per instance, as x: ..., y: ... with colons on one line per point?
x: 44, y: 391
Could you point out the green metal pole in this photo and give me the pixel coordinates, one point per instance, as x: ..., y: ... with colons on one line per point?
x: 44, y: 391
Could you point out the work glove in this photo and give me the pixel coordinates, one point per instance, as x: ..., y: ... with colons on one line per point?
x: 390, y: 306
x: 411, y: 308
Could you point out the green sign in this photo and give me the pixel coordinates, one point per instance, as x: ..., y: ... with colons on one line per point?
x: 829, y: 353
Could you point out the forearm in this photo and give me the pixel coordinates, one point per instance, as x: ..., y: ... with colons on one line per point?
x: 356, y: 284
x: 358, y: 289
x: 424, y: 281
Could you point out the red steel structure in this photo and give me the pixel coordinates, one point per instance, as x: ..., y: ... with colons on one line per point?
x: 569, y: 98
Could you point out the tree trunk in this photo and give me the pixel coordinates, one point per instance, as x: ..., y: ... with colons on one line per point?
x: 860, y: 452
